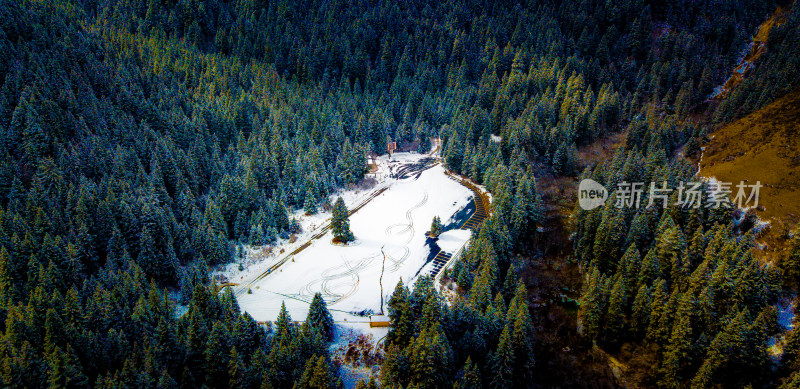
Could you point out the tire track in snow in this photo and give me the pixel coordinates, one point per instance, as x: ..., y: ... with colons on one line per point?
x: 352, y: 269
x: 409, y: 228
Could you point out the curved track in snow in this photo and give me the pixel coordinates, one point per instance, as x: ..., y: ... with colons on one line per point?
x: 329, y: 283
x: 408, y: 229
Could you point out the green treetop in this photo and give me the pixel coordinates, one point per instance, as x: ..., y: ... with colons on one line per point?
x: 436, y: 227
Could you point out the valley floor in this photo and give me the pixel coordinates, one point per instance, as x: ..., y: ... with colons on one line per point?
x: 389, y: 222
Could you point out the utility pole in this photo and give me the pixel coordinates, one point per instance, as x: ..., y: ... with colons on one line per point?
x: 380, y: 280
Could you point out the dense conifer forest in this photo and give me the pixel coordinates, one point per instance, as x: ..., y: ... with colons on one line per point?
x: 143, y: 141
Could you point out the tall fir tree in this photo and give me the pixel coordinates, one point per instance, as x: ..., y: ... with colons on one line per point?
x: 436, y: 227
x: 470, y: 376
x: 316, y: 375
x: 310, y: 204
x: 340, y: 222
x: 319, y: 317
x: 402, y: 328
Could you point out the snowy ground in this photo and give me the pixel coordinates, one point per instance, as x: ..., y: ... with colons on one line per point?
x: 391, y: 225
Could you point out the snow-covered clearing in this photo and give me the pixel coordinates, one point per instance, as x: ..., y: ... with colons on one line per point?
x: 390, y: 232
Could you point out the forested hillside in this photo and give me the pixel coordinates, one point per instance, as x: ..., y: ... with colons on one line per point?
x: 686, y: 297
x: 143, y: 141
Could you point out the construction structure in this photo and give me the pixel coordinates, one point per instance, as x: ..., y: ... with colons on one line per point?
x: 379, y: 321
x: 482, y: 202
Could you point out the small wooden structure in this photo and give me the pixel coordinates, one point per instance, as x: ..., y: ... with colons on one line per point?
x: 372, y: 163
x: 379, y: 321
x: 391, y: 147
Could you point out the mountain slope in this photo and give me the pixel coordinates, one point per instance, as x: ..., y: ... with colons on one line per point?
x: 763, y: 146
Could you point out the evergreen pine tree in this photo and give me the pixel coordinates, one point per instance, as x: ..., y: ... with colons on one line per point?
x: 640, y: 312
x: 431, y: 359
x: 316, y: 375
x: 396, y: 369
x: 656, y: 333
x: 64, y: 370
x: 436, y: 227
x: 166, y: 381
x: 503, y: 362
x: 216, y: 357
x: 7, y: 287
x: 340, y: 223
x: 791, y: 350
x: 677, y: 351
x: 284, y: 327
x: 527, y: 210
x: 523, y: 349
x: 791, y: 265
x: 640, y: 232
x: 310, y: 204
x: 591, y: 312
x: 481, y: 293
x: 470, y: 377
x: 629, y: 266
x: 609, y: 240
x: 723, y: 349
x: 792, y: 382
x: 400, y: 313
x: 431, y: 312
x: 672, y: 252
x: 319, y: 317
x: 237, y: 371
x: 614, y: 329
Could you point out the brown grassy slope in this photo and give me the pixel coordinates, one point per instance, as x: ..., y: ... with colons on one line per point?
x: 764, y: 146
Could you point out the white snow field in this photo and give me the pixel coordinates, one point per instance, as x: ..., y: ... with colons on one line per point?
x: 390, y: 235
